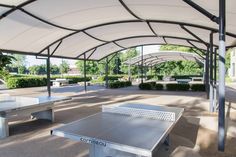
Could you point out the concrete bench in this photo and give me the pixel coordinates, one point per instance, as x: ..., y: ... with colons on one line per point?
x: 183, y: 81
x: 60, y: 82
x: 38, y: 108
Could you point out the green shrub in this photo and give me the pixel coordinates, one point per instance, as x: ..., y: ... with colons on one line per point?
x: 110, y: 77
x: 153, y: 84
x: 119, y: 84
x: 145, y: 86
x: 198, y: 87
x: 177, y: 87
x: 159, y: 86
x: 22, y: 82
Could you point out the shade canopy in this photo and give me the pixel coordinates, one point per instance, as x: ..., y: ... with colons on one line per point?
x: 98, y: 28
x: 164, y: 56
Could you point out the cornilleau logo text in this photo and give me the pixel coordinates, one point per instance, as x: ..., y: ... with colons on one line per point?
x: 93, y: 141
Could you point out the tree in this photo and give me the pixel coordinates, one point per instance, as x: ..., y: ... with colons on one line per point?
x: 54, y: 69
x: 64, y: 67
x: 20, y: 60
x: 5, y: 60
x: 117, y: 68
x: 92, y: 67
x: 178, y: 67
x: 21, y: 69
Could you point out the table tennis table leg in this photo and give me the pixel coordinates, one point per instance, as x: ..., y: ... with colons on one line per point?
x: 4, y: 128
x: 47, y: 114
x: 167, y: 140
x: 101, y: 151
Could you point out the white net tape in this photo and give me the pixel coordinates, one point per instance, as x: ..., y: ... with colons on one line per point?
x: 136, y: 112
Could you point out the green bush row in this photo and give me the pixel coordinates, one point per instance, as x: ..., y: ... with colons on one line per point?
x: 150, y: 86
x: 119, y: 84
x: 23, y: 82
x: 37, y: 81
x: 110, y: 78
x: 177, y: 87
x: 171, y: 87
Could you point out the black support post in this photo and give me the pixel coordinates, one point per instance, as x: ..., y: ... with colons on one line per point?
x: 85, y: 78
x: 207, y: 72
x: 141, y: 64
x: 106, y: 71
x: 48, y: 74
x: 221, y: 120
x: 211, y: 93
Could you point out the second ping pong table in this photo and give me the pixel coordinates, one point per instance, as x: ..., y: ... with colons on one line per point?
x: 14, y: 106
x: 126, y: 130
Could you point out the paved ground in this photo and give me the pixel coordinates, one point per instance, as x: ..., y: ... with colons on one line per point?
x: 194, y: 136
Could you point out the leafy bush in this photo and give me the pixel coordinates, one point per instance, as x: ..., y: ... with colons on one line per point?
x: 110, y: 77
x: 185, y: 76
x: 177, y: 87
x: 22, y: 82
x: 198, y: 87
x: 153, y: 84
x: 145, y: 86
x: 119, y: 84
x: 159, y: 86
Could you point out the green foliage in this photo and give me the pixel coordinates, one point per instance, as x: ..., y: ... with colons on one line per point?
x: 153, y: 84
x: 22, y: 82
x: 91, y: 67
x: 175, y: 48
x: 64, y: 67
x: 177, y: 87
x: 20, y: 60
x: 178, y: 67
x: 42, y: 69
x: 198, y: 87
x: 110, y: 77
x: 119, y: 84
x: 5, y: 60
x: 145, y: 86
x: 159, y: 86
x: 21, y: 69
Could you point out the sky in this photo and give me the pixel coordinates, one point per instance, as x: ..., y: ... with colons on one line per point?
x: 31, y: 60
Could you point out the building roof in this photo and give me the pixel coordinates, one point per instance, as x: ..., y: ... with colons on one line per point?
x: 164, y: 56
x: 99, y: 28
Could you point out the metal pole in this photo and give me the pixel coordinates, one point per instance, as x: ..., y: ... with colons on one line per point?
x: 221, y: 120
x: 106, y: 71
x: 211, y: 73
x: 129, y: 71
x: 142, y: 64
x: 48, y: 74
x: 85, y: 81
x: 207, y: 73
x: 215, y: 85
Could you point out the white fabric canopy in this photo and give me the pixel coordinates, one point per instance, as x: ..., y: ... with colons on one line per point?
x: 99, y: 28
x: 164, y: 56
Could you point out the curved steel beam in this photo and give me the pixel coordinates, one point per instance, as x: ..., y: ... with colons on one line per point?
x: 135, y: 37
x: 133, y: 21
x: 14, y: 8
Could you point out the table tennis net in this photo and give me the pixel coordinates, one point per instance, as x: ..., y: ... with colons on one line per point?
x: 138, y: 112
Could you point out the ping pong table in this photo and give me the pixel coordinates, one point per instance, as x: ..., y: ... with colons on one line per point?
x: 126, y: 130
x: 13, y: 106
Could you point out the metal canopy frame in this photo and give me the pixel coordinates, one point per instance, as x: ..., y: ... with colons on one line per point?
x: 220, y: 20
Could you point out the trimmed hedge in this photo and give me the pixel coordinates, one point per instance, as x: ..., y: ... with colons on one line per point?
x: 177, y: 87
x: 159, y: 86
x: 145, y: 86
x: 119, y: 84
x: 110, y: 78
x: 23, y: 82
x: 185, y: 76
x: 37, y: 81
x: 198, y: 87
